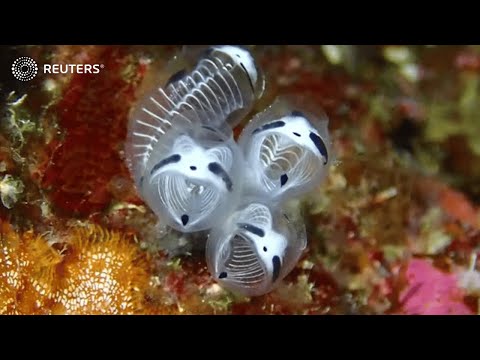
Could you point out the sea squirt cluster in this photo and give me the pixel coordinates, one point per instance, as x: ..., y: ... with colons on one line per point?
x: 190, y: 171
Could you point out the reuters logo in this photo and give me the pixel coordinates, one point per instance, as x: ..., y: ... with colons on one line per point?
x: 24, y: 68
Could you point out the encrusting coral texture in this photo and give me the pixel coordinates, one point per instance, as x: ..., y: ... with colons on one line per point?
x: 89, y: 271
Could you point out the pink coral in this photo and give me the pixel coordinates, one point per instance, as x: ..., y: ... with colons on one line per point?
x: 431, y: 291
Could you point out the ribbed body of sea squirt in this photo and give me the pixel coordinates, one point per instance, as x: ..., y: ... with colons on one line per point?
x: 288, y: 151
x: 220, y: 89
x: 190, y: 171
x: 255, y: 248
x: 180, y: 143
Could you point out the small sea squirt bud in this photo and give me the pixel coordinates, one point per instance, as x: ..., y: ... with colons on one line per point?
x: 254, y: 249
x: 288, y: 151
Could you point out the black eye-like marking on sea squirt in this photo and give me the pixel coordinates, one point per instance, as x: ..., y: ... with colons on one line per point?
x: 169, y: 160
x: 217, y: 169
x: 297, y: 113
x: 272, y: 125
x: 248, y: 76
x: 317, y: 140
x: 207, y: 52
x: 209, y: 128
x: 283, y: 179
x: 252, y: 228
x: 177, y: 76
x: 276, y: 267
x: 185, y: 219
x: 222, y: 275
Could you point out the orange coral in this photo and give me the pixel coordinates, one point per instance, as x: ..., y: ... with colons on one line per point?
x: 98, y: 272
x: 102, y: 274
x: 26, y: 272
